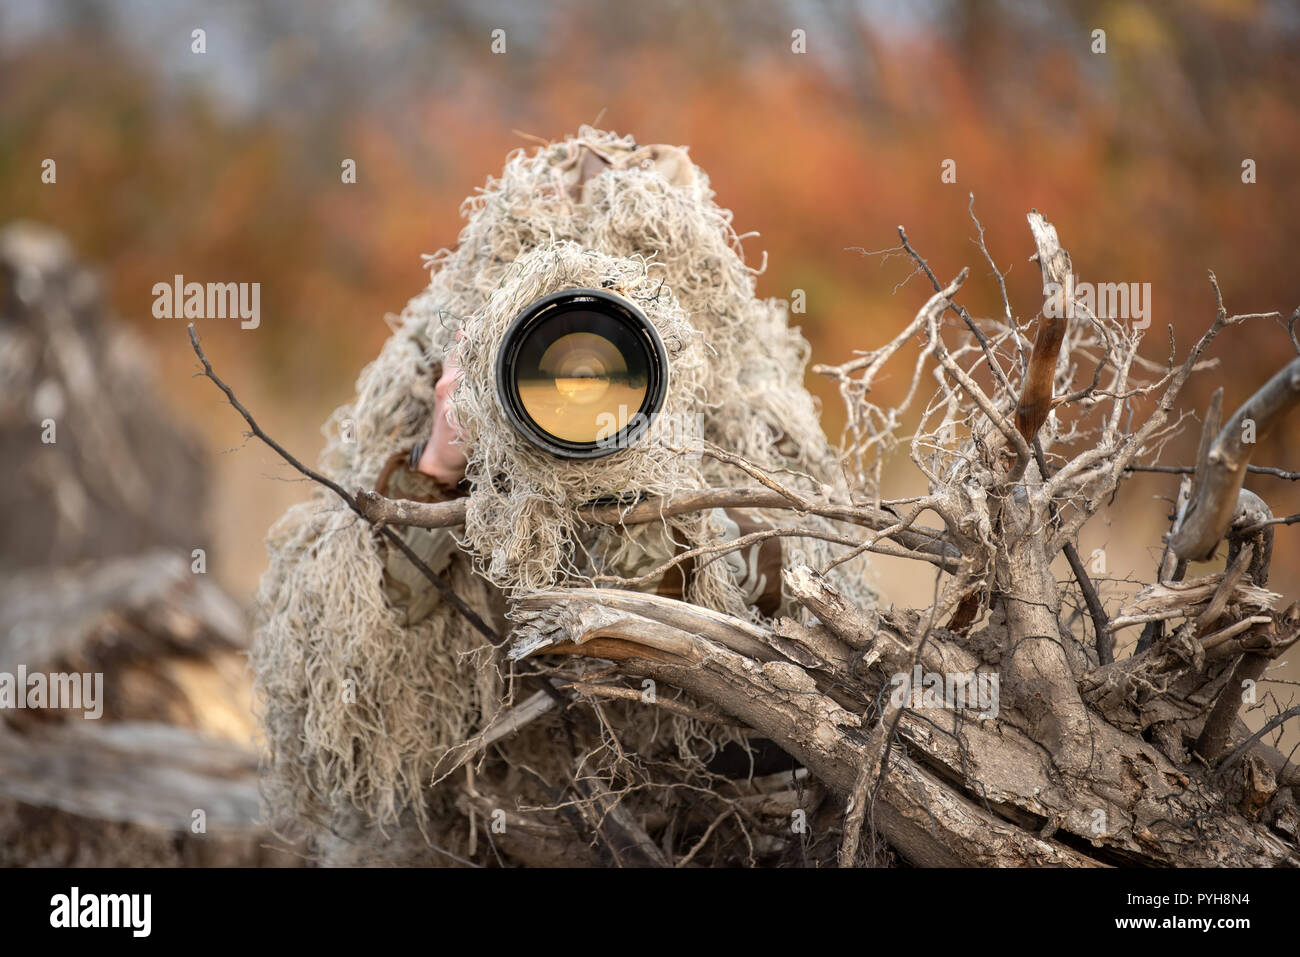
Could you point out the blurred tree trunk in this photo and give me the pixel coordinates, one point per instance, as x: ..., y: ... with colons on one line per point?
x: 103, y: 509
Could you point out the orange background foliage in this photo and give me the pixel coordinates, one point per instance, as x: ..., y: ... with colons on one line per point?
x: 1134, y: 154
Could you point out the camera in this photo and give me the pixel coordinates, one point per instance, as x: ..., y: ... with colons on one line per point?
x: 581, y: 372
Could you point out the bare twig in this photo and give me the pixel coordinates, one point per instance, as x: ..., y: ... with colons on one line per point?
x: 393, y: 538
x: 1100, y: 621
x: 1190, y: 469
x: 704, y: 838
x: 961, y: 312
x: 632, y: 694
x: 744, y: 541
x: 1002, y: 286
x: 1242, y: 748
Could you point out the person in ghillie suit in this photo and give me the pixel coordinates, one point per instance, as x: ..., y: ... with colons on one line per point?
x: 368, y: 682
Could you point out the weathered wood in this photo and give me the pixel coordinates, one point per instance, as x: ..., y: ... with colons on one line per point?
x: 995, y: 790
x: 126, y: 794
x: 1036, y: 398
x: 1223, y: 467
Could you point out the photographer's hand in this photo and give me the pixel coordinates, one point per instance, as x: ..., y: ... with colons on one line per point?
x: 443, y: 458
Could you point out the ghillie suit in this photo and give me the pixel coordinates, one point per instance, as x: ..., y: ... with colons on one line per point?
x: 367, y: 679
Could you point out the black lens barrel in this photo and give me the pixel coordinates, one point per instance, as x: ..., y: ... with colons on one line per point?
x: 619, y: 326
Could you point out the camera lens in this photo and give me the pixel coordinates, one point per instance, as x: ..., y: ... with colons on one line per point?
x: 580, y: 372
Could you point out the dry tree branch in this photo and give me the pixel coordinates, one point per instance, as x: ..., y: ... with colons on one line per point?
x: 927, y: 541
x: 931, y: 311
x: 717, y: 549
x: 961, y: 312
x: 1105, y: 641
x: 1279, y: 520
x: 1275, y: 722
x: 1221, y: 466
x: 589, y: 689
x: 1002, y: 286
x: 1101, y: 468
x: 391, y: 511
x: 899, y: 528
x: 395, y: 540
x: 1054, y: 262
x: 1191, y: 469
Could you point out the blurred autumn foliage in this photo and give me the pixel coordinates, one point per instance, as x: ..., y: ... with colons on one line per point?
x: 226, y: 166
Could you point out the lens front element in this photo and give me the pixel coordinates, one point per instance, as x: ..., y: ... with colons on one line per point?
x: 580, y: 372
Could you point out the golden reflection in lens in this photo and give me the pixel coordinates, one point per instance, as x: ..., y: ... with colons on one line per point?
x: 582, y: 391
